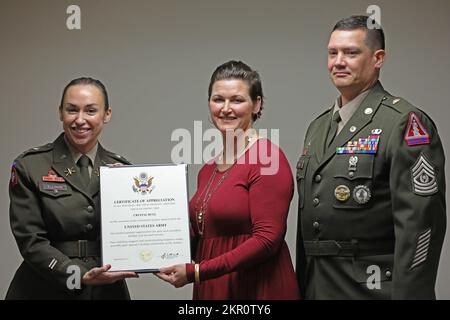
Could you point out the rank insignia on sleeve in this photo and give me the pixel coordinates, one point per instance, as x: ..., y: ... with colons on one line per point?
x: 416, y: 133
x: 53, y: 263
x: 14, y: 179
x: 424, y: 177
x: 423, y: 243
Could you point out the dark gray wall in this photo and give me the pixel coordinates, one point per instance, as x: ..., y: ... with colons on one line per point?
x: 156, y: 58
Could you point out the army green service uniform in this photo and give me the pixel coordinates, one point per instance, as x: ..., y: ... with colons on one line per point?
x: 56, y: 222
x: 372, y: 213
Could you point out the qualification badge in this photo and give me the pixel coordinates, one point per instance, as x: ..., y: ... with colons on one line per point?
x: 352, y: 162
x: 342, y: 193
x: 52, y: 177
x: 361, y: 194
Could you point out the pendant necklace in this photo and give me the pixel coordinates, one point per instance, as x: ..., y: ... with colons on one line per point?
x: 207, y: 191
x: 200, y: 211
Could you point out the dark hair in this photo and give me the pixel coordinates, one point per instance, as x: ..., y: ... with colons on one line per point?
x: 238, y: 70
x: 374, y: 35
x: 87, y: 81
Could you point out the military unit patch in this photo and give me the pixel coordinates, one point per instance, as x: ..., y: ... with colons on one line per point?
x: 416, y: 133
x: 424, y: 177
x: 367, y: 145
x: 423, y: 243
x: 14, y: 180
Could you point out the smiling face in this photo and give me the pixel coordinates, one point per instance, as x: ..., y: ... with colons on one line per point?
x: 83, y: 115
x: 353, y: 66
x: 231, y: 106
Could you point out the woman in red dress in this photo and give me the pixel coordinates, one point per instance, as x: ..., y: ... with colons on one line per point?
x: 239, y: 212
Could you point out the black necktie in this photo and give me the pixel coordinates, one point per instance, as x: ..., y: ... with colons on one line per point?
x: 333, y: 128
x: 83, y: 164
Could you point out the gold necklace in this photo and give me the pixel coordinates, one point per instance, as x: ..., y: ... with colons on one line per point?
x: 208, y: 191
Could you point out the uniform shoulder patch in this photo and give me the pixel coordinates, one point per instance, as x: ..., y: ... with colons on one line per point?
x: 14, y: 180
x: 424, y: 181
x: 415, y: 133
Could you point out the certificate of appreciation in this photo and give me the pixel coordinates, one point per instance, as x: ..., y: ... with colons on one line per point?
x: 144, y: 217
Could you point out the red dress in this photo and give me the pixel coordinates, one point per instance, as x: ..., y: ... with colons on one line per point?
x: 242, y: 253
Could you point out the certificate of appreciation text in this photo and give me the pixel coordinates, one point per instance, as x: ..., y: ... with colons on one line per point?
x: 144, y: 217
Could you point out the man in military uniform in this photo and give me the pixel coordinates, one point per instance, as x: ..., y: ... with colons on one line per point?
x: 55, y: 206
x: 371, y: 184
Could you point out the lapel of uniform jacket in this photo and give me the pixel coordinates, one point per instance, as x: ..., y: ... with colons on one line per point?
x: 64, y: 165
x: 101, y: 159
x: 321, y: 135
x: 359, y: 120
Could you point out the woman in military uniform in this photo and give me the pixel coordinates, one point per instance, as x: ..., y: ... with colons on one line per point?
x: 55, y: 206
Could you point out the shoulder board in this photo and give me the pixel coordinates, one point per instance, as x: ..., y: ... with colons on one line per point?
x: 399, y: 104
x: 404, y: 107
x: 118, y: 157
x: 44, y: 148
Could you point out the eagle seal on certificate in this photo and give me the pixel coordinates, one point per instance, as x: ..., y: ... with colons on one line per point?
x: 143, y: 184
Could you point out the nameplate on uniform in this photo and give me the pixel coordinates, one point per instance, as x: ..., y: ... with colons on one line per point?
x: 362, y: 145
x: 51, y: 186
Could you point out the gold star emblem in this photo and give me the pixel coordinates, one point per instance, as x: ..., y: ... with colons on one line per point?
x: 69, y: 171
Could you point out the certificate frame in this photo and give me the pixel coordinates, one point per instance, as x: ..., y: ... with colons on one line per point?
x: 144, y: 216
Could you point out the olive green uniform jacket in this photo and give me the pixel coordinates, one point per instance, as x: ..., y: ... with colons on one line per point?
x: 48, y: 218
x: 374, y: 229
